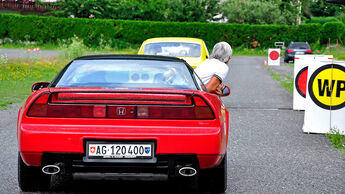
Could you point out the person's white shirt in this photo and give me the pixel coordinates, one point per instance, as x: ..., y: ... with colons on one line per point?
x: 210, y: 68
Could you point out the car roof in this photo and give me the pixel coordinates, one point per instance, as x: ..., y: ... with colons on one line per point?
x: 134, y: 57
x: 174, y: 39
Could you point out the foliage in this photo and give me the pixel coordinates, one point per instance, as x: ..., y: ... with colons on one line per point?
x: 294, y: 5
x: 247, y: 51
x: 191, y: 10
x: 332, y: 30
x: 341, y: 17
x: 122, y: 33
x: 84, y: 9
x: 73, y: 48
x: 260, y: 12
x: 320, y: 8
x: 286, y: 81
x: 322, y: 20
x: 16, y: 77
x: 337, y: 139
x: 154, y: 10
x: 3, y: 59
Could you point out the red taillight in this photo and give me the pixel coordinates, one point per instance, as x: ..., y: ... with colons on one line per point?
x: 199, y: 110
x: 39, y: 107
x: 43, y: 107
x: 309, y: 51
x: 289, y: 51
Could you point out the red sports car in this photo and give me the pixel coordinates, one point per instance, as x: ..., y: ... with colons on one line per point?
x: 123, y: 117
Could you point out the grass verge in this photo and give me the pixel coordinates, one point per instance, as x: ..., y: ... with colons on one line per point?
x: 17, y: 77
x: 116, y: 46
x: 337, y: 140
x: 240, y: 51
x: 286, y: 81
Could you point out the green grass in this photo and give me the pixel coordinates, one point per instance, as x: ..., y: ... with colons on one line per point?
x: 17, y: 77
x: 286, y: 81
x: 337, y: 140
x: 249, y: 52
x: 31, y: 45
x: 51, y: 46
x: 338, y: 53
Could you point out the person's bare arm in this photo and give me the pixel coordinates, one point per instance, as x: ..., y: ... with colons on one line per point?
x: 214, y: 86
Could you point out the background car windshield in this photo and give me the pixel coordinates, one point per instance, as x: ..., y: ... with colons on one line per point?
x: 299, y: 45
x: 174, y: 49
x: 127, y: 74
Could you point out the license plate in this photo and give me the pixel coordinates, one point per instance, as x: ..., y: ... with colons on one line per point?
x: 119, y: 150
x: 299, y: 53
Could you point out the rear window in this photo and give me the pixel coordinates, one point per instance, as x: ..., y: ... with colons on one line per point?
x: 127, y: 74
x: 173, y: 49
x: 299, y: 45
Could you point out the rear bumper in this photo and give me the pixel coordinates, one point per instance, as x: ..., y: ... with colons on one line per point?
x: 207, y: 143
x: 167, y: 166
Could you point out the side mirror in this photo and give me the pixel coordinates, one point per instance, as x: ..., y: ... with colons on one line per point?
x: 39, y: 85
x: 226, y: 91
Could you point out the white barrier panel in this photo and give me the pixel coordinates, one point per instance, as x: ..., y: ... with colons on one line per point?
x: 338, y: 114
x: 273, y: 57
x: 325, y: 99
x: 300, y: 77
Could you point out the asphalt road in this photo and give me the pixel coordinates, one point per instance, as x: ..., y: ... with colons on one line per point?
x: 20, y: 53
x: 267, y: 153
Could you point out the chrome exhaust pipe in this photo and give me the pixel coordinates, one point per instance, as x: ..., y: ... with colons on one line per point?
x: 51, y: 169
x: 187, y: 171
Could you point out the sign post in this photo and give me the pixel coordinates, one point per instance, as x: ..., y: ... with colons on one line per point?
x: 273, y: 57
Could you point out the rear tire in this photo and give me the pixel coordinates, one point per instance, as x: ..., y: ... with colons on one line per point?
x: 214, y: 180
x: 31, y: 178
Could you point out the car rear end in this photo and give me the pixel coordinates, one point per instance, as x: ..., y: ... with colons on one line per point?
x: 192, y: 50
x: 297, y: 48
x: 122, y: 134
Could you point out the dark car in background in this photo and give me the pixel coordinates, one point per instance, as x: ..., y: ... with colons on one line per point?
x: 296, y: 48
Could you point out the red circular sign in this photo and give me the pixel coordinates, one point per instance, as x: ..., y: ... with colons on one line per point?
x: 274, y: 55
x: 301, y: 81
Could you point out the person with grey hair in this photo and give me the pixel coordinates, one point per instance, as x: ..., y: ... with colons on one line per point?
x: 213, y: 71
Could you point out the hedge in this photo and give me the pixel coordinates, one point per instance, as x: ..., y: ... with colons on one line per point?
x: 45, y: 29
x: 334, y: 31
x: 322, y: 20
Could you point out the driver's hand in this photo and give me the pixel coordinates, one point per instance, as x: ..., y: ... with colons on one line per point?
x: 219, y: 90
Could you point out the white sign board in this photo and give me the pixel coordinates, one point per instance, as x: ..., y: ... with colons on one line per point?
x: 338, y: 115
x: 325, y: 99
x: 273, y: 57
x: 300, y: 77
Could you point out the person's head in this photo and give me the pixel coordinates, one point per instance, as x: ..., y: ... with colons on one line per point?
x: 222, y: 51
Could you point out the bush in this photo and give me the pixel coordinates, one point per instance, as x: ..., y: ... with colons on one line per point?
x: 341, y: 17
x: 94, y: 32
x: 322, y: 20
x: 4, y: 25
x: 332, y: 30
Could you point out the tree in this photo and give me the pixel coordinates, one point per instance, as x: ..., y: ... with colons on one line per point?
x: 191, y: 10
x: 320, y: 8
x: 156, y: 10
x: 259, y: 12
x: 84, y: 8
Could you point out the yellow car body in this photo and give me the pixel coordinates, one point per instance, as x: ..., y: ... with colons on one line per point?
x: 192, y: 50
